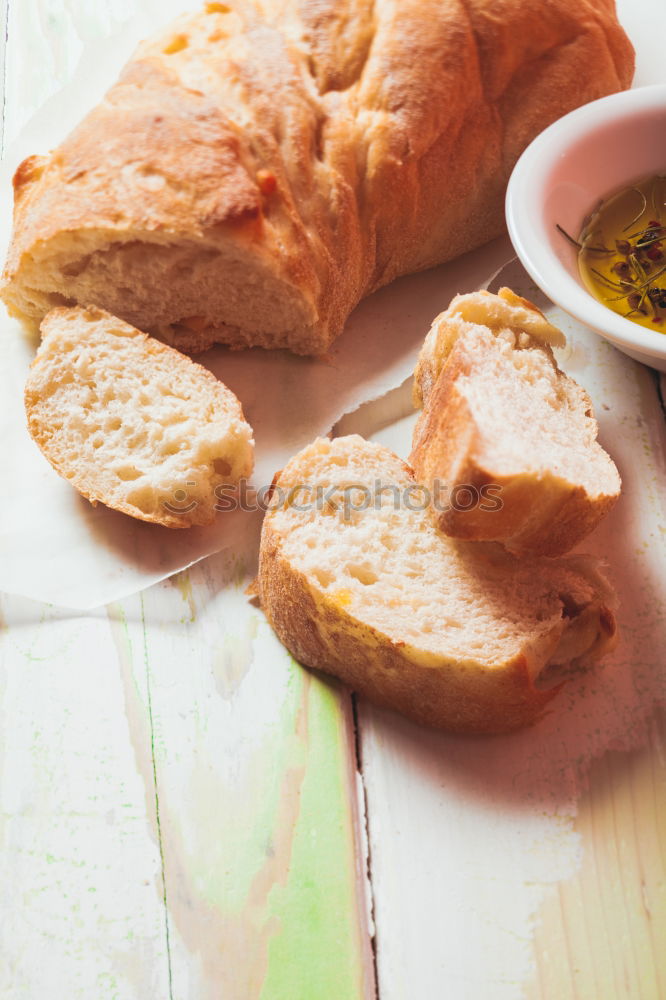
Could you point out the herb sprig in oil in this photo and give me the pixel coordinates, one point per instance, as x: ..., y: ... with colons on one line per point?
x: 622, y: 252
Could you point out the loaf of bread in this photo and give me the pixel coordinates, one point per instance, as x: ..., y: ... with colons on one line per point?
x: 508, y: 438
x: 132, y: 423
x: 357, y: 581
x: 259, y: 168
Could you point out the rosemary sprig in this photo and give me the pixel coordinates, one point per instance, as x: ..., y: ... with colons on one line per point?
x: 642, y: 211
x: 657, y: 231
x: 644, y: 242
x: 615, y: 286
x: 637, y: 288
x: 575, y: 243
x: 637, y: 261
x: 587, y: 247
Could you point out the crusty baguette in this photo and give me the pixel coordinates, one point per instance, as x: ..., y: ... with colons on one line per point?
x: 508, y: 437
x: 456, y: 635
x: 259, y: 168
x: 132, y: 423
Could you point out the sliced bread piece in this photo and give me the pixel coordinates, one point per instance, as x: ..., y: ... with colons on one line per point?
x: 507, y: 442
x: 132, y: 423
x: 356, y: 580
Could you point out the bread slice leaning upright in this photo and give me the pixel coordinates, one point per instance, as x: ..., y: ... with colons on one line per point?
x: 132, y: 423
x: 507, y: 443
x: 356, y: 580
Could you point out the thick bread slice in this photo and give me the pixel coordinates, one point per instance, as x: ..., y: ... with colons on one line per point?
x: 506, y: 441
x: 456, y: 635
x: 132, y: 423
x: 260, y: 167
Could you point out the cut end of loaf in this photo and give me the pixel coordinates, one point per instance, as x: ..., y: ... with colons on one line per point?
x: 253, y: 306
x: 358, y: 582
x: 133, y: 424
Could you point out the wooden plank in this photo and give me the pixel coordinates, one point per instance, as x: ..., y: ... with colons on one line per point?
x: 254, y: 771
x: 81, y: 915
x: 618, y: 896
x: 469, y: 838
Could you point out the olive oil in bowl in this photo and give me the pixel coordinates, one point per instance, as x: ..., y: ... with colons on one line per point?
x: 622, y: 253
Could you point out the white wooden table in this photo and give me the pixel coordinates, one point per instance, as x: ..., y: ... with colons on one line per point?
x: 186, y: 814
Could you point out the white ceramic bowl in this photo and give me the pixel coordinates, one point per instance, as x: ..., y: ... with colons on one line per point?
x: 590, y: 153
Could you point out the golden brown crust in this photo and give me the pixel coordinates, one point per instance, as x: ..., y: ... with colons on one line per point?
x: 386, y: 150
x: 463, y: 697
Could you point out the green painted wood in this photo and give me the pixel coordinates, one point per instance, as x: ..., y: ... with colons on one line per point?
x: 252, y: 763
